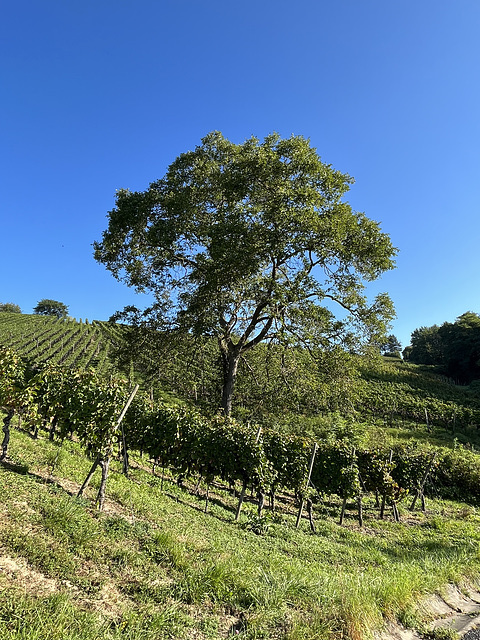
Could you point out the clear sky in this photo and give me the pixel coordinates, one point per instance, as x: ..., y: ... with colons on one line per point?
x: 99, y: 95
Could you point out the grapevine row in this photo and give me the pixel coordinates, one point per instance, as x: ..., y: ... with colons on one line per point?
x: 82, y: 403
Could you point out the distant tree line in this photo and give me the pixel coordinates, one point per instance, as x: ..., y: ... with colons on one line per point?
x: 391, y: 346
x: 44, y: 307
x: 9, y: 307
x: 454, y: 346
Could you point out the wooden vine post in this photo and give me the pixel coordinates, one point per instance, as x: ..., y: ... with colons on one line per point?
x: 89, y: 476
x: 104, y: 460
x: 384, y: 497
x: 104, y: 466
x: 244, y: 484
x: 396, y: 515
x: 240, y: 500
x: 119, y: 423
x: 421, y: 486
x: 359, y: 498
x: 206, y: 498
x: 310, y: 468
x: 360, y: 509
x: 6, y: 431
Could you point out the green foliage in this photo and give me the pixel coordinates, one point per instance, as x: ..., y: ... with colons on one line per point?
x: 391, y: 346
x: 12, y: 379
x: 276, y: 382
x: 83, y: 403
x: 247, y: 243
x: 457, y: 476
x: 461, y: 347
x: 426, y: 345
x: 164, y: 549
x: 14, y: 394
x: 408, y: 393
x: 336, y: 471
x: 158, y: 566
x: 184, y: 440
x: 48, y: 307
x: 257, y: 524
x: 65, y: 518
x: 289, y: 456
x: 9, y: 307
x: 273, y: 380
x: 442, y: 633
x: 41, y: 339
x: 183, y: 364
x: 454, y: 346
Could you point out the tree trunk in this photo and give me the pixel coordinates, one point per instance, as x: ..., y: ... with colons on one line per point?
x: 230, y: 360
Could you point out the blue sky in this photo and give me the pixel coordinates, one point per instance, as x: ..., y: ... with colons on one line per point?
x: 104, y: 94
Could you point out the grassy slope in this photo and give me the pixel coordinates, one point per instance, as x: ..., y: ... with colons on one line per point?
x: 155, y: 566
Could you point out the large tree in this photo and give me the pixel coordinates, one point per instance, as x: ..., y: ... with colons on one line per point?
x: 391, y: 346
x: 454, y: 346
x: 248, y: 242
x: 48, y: 307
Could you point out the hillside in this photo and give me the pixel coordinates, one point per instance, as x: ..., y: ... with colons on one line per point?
x: 390, y: 393
x: 168, y: 558
x: 63, y: 341
x: 407, y: 400
x: 154, y: 565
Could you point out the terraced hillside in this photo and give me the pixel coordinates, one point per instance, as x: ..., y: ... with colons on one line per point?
x: 59, y: 340
x: 170, y: 554
x: 388, y: 393
x: 400, y: 394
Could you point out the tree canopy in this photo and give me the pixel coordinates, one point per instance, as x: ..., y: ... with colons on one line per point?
x: 391, y: 346
x: 454, y: 346
x: 251, y: 242
x: 10, y: 307
x: 426, y: 346
x: 47, y: 307
x: 461, y: 347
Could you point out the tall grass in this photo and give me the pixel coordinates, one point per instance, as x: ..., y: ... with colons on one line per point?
x: 154, y: 565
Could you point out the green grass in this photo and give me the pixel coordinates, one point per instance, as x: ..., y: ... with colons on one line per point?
x: 154, y: 565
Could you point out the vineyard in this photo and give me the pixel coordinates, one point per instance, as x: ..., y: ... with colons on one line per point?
x: 85, y: 405
x: 396, y: 393
x: 405, y: 394
x: 66, y: 342
x: 67, y: 413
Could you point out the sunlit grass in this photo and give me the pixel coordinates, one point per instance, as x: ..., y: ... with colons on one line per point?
x: 155, y: 563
